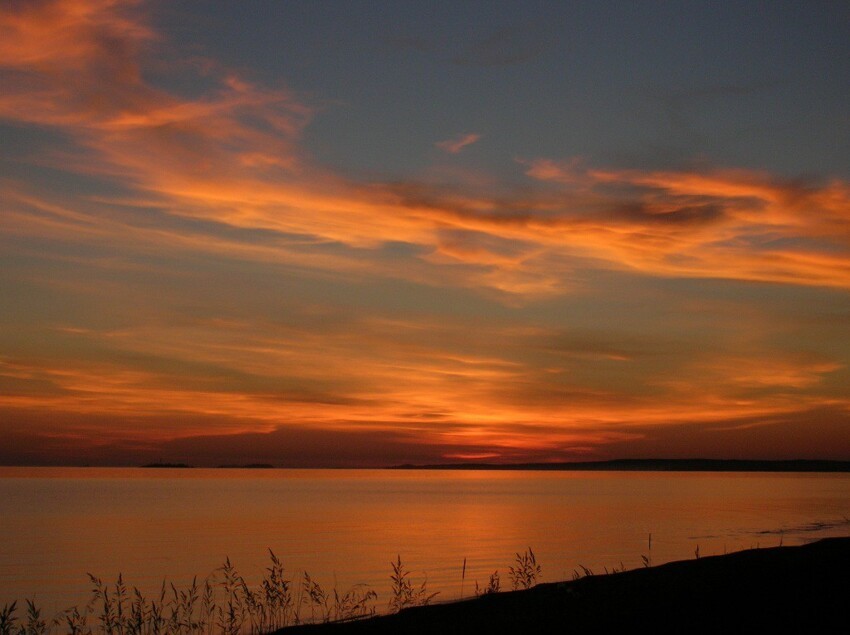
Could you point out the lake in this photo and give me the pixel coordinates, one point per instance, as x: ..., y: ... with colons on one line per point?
x: 344, y: 527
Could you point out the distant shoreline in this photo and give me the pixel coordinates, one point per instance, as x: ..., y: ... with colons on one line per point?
x: 247, y: 466
x: 653, y: 465
x: 615, y: 465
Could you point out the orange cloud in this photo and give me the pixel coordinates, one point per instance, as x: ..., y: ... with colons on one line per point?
x: 453, y: 391
x: 232, y: 157
x: 458, y: 143
x: 738, y: 225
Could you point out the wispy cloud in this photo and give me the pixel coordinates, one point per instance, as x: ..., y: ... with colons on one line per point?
x: 458, y: 143
x: 505, y: 388
x: 733, y: 224
x: 231, y: 156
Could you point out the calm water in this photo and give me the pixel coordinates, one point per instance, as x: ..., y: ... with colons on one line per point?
x: 345, y: 526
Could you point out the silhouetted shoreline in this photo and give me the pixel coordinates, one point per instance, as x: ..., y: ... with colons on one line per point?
x: 247, y: 466
x: 615, y: 465
x: 653, y: 465
x: 779, y: 589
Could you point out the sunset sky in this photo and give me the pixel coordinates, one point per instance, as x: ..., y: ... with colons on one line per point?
x: 370, y: 233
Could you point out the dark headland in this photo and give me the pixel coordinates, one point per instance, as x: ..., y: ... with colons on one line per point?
x: 653, y: 465
x: 773, y: 590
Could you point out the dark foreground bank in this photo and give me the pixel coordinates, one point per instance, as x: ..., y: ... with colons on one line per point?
x: 781, y: 589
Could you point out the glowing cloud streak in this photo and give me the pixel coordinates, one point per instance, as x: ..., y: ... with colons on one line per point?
x: 458, y: 143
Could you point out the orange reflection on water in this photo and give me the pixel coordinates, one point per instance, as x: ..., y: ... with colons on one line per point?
x: 345, y: 526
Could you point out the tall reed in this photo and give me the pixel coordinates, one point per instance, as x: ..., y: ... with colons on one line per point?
x: 404, y: 593
x: 525, y: 572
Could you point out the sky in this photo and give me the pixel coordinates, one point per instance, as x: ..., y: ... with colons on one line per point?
x: 371, y: 233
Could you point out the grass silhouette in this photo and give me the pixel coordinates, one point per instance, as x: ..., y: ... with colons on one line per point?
x: 404, y: 593
x: 524, y: 575
x: 226, y: 604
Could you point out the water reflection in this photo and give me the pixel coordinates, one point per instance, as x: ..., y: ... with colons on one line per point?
x: 346, y: 526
